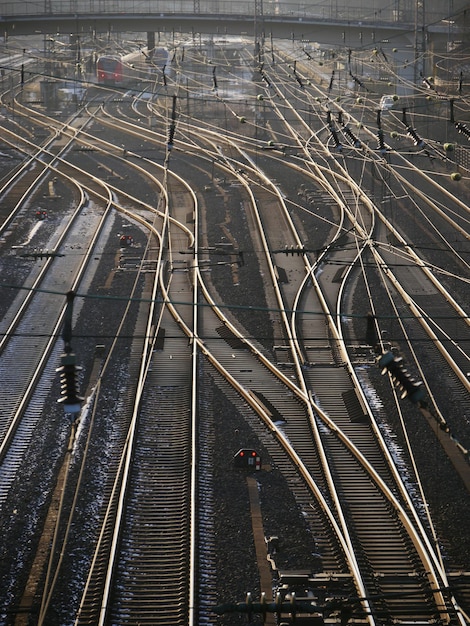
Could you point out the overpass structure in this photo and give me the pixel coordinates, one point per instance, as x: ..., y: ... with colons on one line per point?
x: 360, y: 23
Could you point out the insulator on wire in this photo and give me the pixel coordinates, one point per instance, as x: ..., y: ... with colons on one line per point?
x: 298, y: 79
x: 335, y: 138
x: 381, y: 147
x: 171, y: 134
x: 372, y: 337
x: 171, y: 131
x: 402, y: 379
x: 427, y: 83
x: 419, y: 143
x: 462, y: 128
x: 332, y: 79
x: 279, y: 606
x: 451, y: 111
x: 404, y: 118
x: 348, y: 132
x: 264, y: 77
x: 358, y: 81
x: 68, y: 378
x: 294, y: 250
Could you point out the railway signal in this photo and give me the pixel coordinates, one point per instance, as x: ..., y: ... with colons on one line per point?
x: 247, y: 459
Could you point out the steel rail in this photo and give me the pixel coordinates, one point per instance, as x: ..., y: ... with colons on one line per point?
x: 425, y: 554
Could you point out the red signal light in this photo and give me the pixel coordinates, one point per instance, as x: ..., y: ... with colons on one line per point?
x: 247, y: 458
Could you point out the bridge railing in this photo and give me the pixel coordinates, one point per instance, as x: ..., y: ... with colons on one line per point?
x: 331, y: 10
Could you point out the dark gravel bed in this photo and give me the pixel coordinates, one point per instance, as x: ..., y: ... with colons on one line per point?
x: 448, y: 499
x: 14, y: 266
x: 235, y: 559
x: 234, y: 555
x: 24, y: 512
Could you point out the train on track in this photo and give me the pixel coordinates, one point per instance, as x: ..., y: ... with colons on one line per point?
x: 122, y: 71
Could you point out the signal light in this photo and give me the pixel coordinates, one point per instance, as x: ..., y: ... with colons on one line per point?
x: 248, y: 459
x: 68, y: 377
x: 402, y: 379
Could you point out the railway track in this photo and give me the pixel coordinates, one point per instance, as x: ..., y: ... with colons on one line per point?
x: 153, y: 496
x: 297, y: 387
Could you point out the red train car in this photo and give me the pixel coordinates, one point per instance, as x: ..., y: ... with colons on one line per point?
x: 109, y: 70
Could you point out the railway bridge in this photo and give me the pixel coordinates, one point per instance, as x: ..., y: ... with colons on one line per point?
x: 361, y: 23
